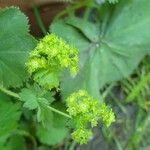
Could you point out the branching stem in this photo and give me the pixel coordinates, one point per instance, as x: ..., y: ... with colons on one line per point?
x: 15, y: 95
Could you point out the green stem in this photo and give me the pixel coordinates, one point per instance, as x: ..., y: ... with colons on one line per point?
x: 118, y: 103
x: 29, y: 136
x: 72, y: 146
x: 10, y: 93
x: 59, y: 112
x: 39, y: 20
x: 71, y: 8
x: 118, y: 144
x: 108, y: 90
x: 87, y: 13
x: 67, y: 143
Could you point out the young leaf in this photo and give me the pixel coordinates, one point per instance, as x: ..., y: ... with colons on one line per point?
x: 30, y: 98
x: 34, y: 96
x: 15, y: 44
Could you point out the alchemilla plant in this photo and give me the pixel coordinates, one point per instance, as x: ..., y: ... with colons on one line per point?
x: 57, y: 89
x: 46, y: 64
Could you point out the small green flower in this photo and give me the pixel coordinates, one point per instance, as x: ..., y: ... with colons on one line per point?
x: 49, y: 58
x: 81, y: 135
x: 36, y: 64
x: 85, y: 110
x: 106, y: 115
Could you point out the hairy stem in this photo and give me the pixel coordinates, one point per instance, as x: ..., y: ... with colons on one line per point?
x: 8, y: 92
x: 59, y: 112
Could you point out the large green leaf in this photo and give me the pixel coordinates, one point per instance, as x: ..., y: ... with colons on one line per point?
x: 9, y: 116
x: 52, y: 135
x: 70, y: 34
x: 116, y: 54
x: 129, y: 25
x: 15, y: 44
x: 84, y: 26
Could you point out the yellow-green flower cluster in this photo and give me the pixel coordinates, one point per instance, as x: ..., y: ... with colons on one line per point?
x: 50, y: 57
x: 84, y: 110
x: 81, y: 135
x: 106, y: 115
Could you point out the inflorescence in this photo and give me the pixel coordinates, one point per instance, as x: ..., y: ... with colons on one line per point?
x: 86, y: 111
x: 49, y: 58
x: 46, y: 63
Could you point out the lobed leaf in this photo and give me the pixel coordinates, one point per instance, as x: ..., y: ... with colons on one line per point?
x: 15, y: 45
x: 115, y: 54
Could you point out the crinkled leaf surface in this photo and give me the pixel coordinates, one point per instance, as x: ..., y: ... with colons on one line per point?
x: 35, y: 98
x: 9, y: 116
x: 30, y: 98
x: 126, y: 40
x: 51, y: 129
x: 15, y: 44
